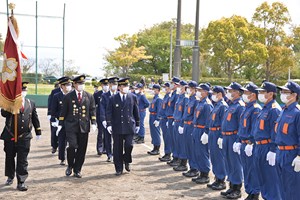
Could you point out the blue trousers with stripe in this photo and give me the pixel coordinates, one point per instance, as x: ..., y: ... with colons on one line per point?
x: 166, y: 136
x: 200, y: 151
x: 154, y: 131
x: 172, y: 136
x: 141, y: 132
x: 189, y: 145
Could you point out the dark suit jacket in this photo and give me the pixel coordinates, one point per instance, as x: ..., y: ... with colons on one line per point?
x: 103, y: 106
x: 56, y: 106
x: 75, y: 116
x: 50, y: 97
x: 26, y: 119
x: 97, y: 96
x: 123, y: 116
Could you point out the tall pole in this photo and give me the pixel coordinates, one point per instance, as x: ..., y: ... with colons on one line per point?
x: 63, y: 48
x: 36, y: 46
x: 177, y: 51
x: 171, y: 49
x: 196, y: 53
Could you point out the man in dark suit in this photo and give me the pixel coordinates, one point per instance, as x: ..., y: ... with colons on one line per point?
x: 100, y: 145
x: 123, y: 121
x: 56, y: 107
x: 20, y: 148
x: 113, y: 87
x: 77, y: 113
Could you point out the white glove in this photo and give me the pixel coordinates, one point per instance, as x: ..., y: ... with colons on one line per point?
x: 58, y: 129
x: 49, y: 117
x: 54, y: 124
x: 237, y: 147
x: 94, y: 127
x: 38, y: 137
x: 109, y: 129
x: 104, y: 123
x: 156, y: 123
x: 137, y: 129
x: 249, y: 149
x: 220, y: 143
x: 204, y: 138
x: 167, y: 124
x: 173, y: 123
x: 296, y: 164
x: 271, y: 157
x: 180, y: 130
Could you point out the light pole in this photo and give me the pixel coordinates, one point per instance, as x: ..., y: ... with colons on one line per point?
x: 196, y: 53
x: 177, y: 51
x: 171, y: 49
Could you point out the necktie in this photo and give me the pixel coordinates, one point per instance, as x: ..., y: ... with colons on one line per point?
x: 22, y: 109
x: 79, y: 97
x: 123, y: 99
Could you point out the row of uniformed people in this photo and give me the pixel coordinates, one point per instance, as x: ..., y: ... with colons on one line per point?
x: 241, y: 140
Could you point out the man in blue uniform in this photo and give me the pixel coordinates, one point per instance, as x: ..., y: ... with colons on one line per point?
x: 57, y: 103
x: 170, y: 111
x: 264, y: 135
x: 179, y: 145
x: 163, y: 124
x: 100, y: 147
x: 288, y: 141
x: 246, y: 140
x: 54, y: 138
x: 154, y: 108
x: 186, y: 128
x: 200, y: 133
x: 230, y: 126
x: 77, y: 115
x: 113, y: 87
x: 25, y: 120
x: 123, y: 121
x: 143, y: 104
x: 215, y: 133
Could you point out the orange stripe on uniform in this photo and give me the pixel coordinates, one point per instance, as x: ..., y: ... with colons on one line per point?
x: 229, y: 116
x: 285, y: 128
x: 213, y: 117
x: 262, y: 124
x: 245, y: 122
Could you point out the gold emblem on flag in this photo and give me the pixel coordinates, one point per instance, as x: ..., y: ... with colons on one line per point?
x: 9, y: 69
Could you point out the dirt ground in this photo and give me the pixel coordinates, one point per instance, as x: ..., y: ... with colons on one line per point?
x: 148, y: 179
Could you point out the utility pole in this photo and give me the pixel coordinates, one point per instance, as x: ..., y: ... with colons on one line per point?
x: 171, y: 49
x: 196, y: 54
x: 177, y: 51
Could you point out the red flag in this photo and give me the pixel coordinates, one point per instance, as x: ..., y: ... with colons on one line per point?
x: 11, y: 78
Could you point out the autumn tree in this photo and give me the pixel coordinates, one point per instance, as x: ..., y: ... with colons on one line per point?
x: 27, y: 64
x: 126, y: 54
x: 49, y: 67
x: 70, y: 68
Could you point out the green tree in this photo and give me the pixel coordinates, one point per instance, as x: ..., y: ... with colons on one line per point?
x: 296, y: 48
x: 272, y: 19
x: 232, y: 44
x: 70, y: 68
x: 127, y: 54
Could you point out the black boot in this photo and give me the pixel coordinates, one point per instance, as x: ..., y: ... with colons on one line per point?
x: 165, y: 158
x: 219, y: 184
x: 173, y: 160
x: 236, y: 193
x: 182, y: 166
x: 191, y: 173
x: 203, y: 178
x: 255, y: 196
x: 176, y: 162
x: 227, y: 191
x: 249, y: 197
x: 155, y: 151
x: 140, y: 140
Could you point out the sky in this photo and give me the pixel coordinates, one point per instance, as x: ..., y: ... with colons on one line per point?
x: 91, y: 25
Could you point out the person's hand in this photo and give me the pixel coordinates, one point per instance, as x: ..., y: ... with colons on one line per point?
x: 109, y: 129
x: 104, y: 123
x: 180, y: 130
x: 59, y: 127
x: 204, y: 138
x: 54, y: 124
x: 296, y: 164
x: 237, y: 147
x: 38, y: 137
x: 220, y: 143
x: 173, y: 123
x: 156, y: 123
x: 167, y: 124
x: 271, y: 158
x: 137, y: 129
x: 249, y: 149
x: 49, y: 117
x: 94, y: 127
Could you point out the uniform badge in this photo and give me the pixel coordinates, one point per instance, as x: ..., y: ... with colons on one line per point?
x: 60, y: 102
x: 83, y: 111
x: 117, y: 105
x: 73, y: 101
x: 83, y: 115
x: 74, y: 106
x: 83, y: 107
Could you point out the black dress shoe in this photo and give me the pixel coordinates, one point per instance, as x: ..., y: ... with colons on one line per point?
x: 77, y: 174
x: 180, y: 168
x: 165, y: 158
x: 109, y: 159
x: 53, y: 151
x: 153, y: 152
x: 22, y: 187
x: 99, y: 153
x: 175, y: 163
x: 234, y: 195
x: 202, y: 180
x: 127, y: 167
x: 191, y: 173
x: 9, y: 181
x: 226, y: 192
x: 62, y: 162
x: 68, y: 171
x: 119, y: 173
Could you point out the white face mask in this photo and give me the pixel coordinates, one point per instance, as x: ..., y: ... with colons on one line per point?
x: 188, y: 91
x: 178, y: 90
x: 199, y: 94
x: 68, y: 88
x: 172, y: 86
x: 284, y: 98
x: 246, y: 98
x: 105, y: 88
x: 137, y: 91
x: 125, y: 90
x: 262, y: 98
x: 214, y: 98
x: 81, y: 87
x: 163, y: 90
x: 229, y: 96
x: 24, y: 93
x: 114, y: 87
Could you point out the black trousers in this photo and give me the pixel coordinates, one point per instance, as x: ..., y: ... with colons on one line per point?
x: 100, y: 145
x: 54, y: 138
x: 122, y: 148
x: 76, y: 156
x: 21, y: 150
x: 62, y: 144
